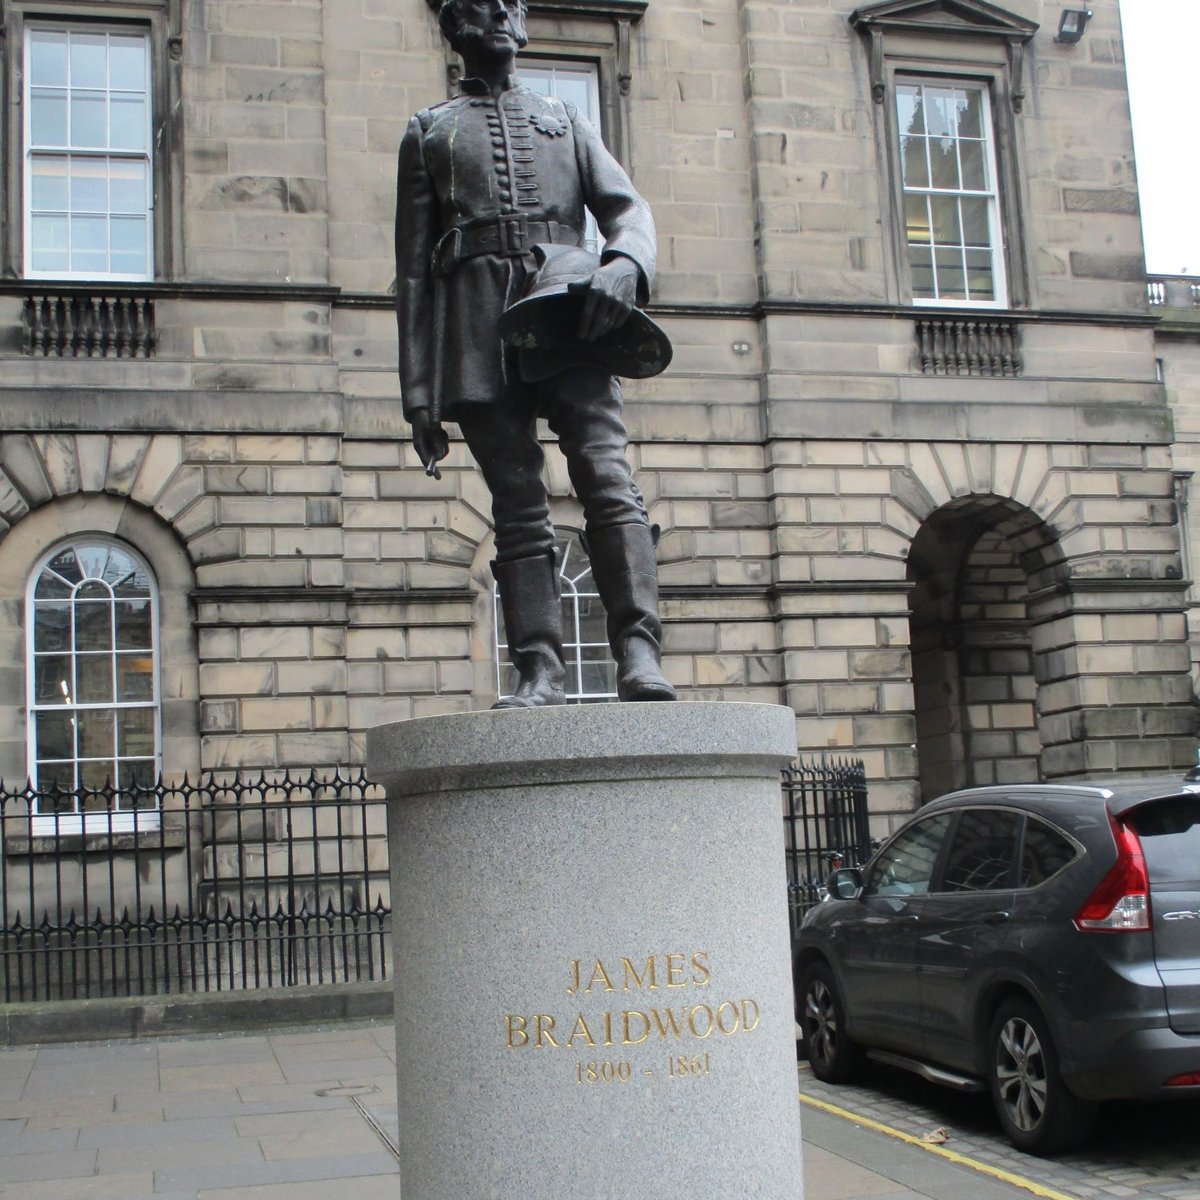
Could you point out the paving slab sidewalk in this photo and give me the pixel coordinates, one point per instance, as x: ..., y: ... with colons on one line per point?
x: 280, y: 1115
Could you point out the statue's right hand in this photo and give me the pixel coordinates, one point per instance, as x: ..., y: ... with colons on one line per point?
x: 429, y: 440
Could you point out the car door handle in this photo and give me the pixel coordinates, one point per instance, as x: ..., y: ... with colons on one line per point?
x: 996, y: 918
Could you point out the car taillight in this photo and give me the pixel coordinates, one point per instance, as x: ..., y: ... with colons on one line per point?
x: 1188, y: 1079
x: 1121, y: 902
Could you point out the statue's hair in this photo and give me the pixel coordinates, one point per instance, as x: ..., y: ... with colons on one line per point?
x: 448, y: 17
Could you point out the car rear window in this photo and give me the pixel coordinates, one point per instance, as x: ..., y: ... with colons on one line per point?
x: 1044, y: 852
x: 1169, y: 831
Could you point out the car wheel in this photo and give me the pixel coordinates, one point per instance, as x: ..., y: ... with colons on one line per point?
x: 834, y: 1058
x: 1039, y: 1113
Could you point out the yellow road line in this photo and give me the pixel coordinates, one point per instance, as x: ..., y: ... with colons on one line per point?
x: 963, y: 1161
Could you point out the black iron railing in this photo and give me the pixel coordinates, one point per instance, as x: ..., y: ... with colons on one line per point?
x: 275, y: 880
x: 227, y: 883
x: 825, y: 826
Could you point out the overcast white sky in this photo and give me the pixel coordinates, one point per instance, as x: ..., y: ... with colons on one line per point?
x: 1162, y: 38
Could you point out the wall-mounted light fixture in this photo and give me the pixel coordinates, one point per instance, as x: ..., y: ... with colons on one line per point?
x: 1072, y: 24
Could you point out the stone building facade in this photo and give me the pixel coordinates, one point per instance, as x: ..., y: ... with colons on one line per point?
x: 913, y: 463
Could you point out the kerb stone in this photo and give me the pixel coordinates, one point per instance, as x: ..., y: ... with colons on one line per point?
x: 593, y: 983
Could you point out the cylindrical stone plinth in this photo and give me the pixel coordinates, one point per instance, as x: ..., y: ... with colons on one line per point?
x: 593, y: 983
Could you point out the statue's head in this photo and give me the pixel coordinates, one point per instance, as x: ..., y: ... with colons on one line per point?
x: 467, y: 23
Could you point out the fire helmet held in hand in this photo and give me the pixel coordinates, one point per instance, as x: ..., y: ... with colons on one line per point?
x: 547, y: 320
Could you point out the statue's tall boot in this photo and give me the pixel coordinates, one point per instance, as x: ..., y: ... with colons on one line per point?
x: 529, y: 598
x: 626, y: 576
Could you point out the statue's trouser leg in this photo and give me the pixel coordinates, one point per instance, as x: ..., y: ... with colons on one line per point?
x: 585, y: 412
x: 504, y: 444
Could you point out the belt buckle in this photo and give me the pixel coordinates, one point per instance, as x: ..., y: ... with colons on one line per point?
x: 514, y: 233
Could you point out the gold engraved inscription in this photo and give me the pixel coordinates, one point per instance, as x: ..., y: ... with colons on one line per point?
x: 675, y: 1020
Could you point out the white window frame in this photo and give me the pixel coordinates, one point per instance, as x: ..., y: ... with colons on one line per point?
x: 529, y: 70
x: 992, y: 195
x: 578, y: 586
x: 116, y: 819
x: 29, y: 151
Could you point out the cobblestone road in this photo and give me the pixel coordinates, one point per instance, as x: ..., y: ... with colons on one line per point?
x: 1140, y: 1152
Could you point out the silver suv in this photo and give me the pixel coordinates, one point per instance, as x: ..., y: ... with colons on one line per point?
x: 1041, y: 941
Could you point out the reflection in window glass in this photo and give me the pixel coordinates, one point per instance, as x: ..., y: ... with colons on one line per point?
x: 905, y: 866
x: 982, y: 851
x: 951, y: 200
x: 94, y: 702
x: 1044, y: 853
x: 87, y: 157
x: 591, y: 671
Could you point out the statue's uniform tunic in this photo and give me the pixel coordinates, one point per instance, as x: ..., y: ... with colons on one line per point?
x: 482, y: 180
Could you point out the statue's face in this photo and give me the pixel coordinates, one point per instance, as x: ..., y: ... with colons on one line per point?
x: 493, y: 28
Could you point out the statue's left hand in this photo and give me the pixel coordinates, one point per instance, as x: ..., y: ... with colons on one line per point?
x: 609, y: 297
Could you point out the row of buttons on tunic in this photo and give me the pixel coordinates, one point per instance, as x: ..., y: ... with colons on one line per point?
x: 520, y: 142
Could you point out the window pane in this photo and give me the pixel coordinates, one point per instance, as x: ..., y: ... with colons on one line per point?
x: 943, y: 163
x: 48, y: 58
x: 910, y: 111
x: 97, y: 727
x: 905, y: 867
x: 89, y: 244
x: 126, y: 63
x: 970, y: 114
x: 974, y: 166
x: 135, y: 733
x: 976, y: 230
x: 598, y: 677
x: 981, y: 275
x: 1044, y: 853
x: 135, y: 678
x: 951, y: 279
x: 133, y: 625
x: 48, y: 118
x: 913, y: 163
x: 946, y: 228
x: 93, y: 625
x: 89, y: 185
x: 573, y: 89
x: 941, y: 112
x: 127, y: 122
x: 916, y: 219
x: 127, y: 186
x: 94, y: 678
x: 55, y: 735
x: 52, y: 679
x: 920, y: 261
x: 93, y: 562
x: 129, y: 252
x: 48, y: 191
x: 87, y: 120
x: 983, y: 852
x: 65, y: 563
x: 52, y: 776
x: 51, y: 586
x: 51, y: 627
x: 89, y: 65
x: 50, y: 243
x: 137, y: 776
x: 98, y: 775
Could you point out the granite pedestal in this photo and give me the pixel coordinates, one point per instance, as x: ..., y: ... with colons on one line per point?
x: 593, y: 992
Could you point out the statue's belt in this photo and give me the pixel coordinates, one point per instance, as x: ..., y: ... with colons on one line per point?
x: 509, y: 236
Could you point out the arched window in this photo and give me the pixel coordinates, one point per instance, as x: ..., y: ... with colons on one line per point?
x: 93, y: 691
x: 591, y: 671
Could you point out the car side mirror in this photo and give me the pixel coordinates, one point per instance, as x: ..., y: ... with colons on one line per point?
x: 846, y: 883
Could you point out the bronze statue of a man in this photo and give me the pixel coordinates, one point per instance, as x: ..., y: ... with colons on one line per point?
x: 484, y: 178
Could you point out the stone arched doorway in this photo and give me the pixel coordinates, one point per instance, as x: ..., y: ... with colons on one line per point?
x: 973, y: 566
